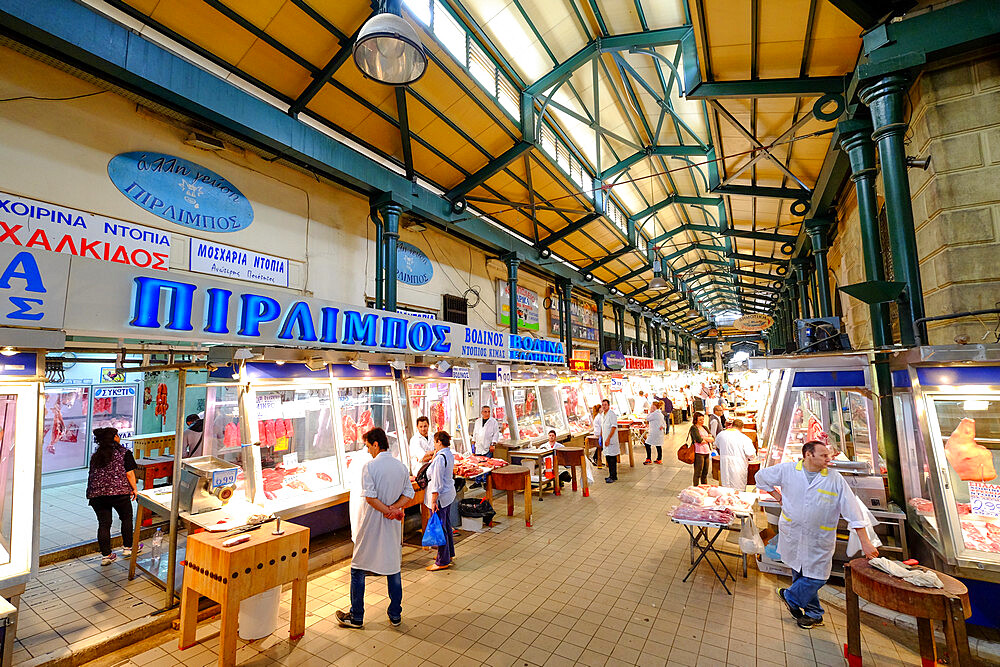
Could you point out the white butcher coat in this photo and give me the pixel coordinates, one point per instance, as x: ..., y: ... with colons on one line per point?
x: 807, y: 528
x: 734, y: 449
x: 484, y: 436
x: 657, y: 427
x: 377, y: 544
x: 356, y: 503
x: 609, y: 423
x: 419, y: 445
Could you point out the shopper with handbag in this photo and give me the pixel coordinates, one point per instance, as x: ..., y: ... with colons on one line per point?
x: 702, y: 441
x: 440, y: 494
x: 657, y: 428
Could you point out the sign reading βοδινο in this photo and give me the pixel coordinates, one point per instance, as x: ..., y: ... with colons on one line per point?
x: 219, y: 259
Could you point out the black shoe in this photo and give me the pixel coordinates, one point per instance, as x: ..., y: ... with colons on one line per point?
x: 345, y: 620
x: 608, y: 480
x: 807, y: 623
x: 792, y: 609
x: 396, y: 622
x: 476, y: 485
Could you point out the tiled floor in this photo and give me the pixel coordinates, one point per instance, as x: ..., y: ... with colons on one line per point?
x: 596, y: 581
x: 66, y: 518
x: 76, y: 600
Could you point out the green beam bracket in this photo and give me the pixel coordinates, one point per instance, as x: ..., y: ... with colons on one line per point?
x: 805, y: 87
x: 866, y: 13
x: 652, y: 151
x: 567, y: 230
x: 760, y: 236
x: 759, y: 259
x: 761, y: 191
x: 490, y: 169
x: 874, y: 291
x: 608, y: 258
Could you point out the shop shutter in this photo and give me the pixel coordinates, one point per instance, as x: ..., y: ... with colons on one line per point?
x: 456, y: 309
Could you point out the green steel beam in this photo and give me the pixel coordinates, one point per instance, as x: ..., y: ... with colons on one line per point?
x: 699, y: 262
x: 761, y: 191
x: 568, y: 229
x: 609, y: 258
x: 490, y: 169
x: 693, y: 247
x: 680, y: 229
x: 760, y: 236
x: 760, y: 259
x: 321, y: 78
x: 629, y: 276
x: 404, y: 131
x: 676, y: 199
x: 757, y: 274
x: 651, y: 151
x: 866, y: 13
x: 605, y: 45
x: 811, y: 86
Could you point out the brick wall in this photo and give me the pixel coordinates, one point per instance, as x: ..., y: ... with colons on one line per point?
x: 955, y: 118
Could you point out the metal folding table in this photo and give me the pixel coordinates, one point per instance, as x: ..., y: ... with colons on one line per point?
x: 699, y: 530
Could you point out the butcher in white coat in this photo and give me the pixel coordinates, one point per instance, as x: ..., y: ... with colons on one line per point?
x: 656, y: 430
x: 813, y: 498
x: 485, y: 434
x: 609, y: 439
x: 735, y: 451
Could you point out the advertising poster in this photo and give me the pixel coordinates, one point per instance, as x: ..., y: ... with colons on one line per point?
x: 527, y: 307
x: 583, y: 316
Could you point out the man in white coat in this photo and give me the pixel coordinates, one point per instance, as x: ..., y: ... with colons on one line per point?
x: 485, y: 434
x: 421, y: 448
x: 813, y: 498
x: 609, y: 440
x: 735, y: 450
x: 386, y: 487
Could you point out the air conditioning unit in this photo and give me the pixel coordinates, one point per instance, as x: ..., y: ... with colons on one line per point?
x: 820, y: 334
x: 456, y: 309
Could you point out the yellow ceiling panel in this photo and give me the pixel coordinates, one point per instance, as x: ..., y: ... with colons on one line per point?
x: 464, y: 154
x: 444, y: 138
x: 270, y: 66
x: 664, y: 13
x: 293, y: 27
x: 833, y: 57
x: 833, y: 23
x: 382, y: 96
x: 437, y: 89
x: 445, y: 175
x: 779, y: 59
x: 620, y: 17
x: 424, y: 161
x: 728, y: 24
x: 418, y: 114
x: 471, y: 118
x: 336, y: 106
x: 731, y: 63
x: 206, y: 27
x: 145, y: 6
x: 259, y: 12
x: 381, y: 134
x: 347, y: 16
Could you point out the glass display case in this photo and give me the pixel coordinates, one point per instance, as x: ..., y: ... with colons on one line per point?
x: 20, y: 393
x: 553, y: 408
x: 590, y: 388
x: 576, y: 406
x: 947, y: 403
x: 527, y: 408
x: 309, y: 426
x: 440, y: 399
x: 65, y: 429
x: 495, y: 397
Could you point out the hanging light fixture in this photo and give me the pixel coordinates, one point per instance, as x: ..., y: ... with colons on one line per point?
x: 658, y: 283
x: 388, y: 49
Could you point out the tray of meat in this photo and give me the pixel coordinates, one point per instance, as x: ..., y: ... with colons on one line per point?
x: 981, y: 536
x: 467, y: 469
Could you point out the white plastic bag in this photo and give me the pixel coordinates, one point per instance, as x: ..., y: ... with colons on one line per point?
x: 750, y: 542
x: 590, y: 470
x: 853, y: 541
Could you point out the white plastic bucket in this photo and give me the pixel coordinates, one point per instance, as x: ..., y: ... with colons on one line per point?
x: 259, y: 614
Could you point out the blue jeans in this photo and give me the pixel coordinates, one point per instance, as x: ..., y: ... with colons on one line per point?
x: 446, y: 551
x: 395, y: 584
x: 804, y: 593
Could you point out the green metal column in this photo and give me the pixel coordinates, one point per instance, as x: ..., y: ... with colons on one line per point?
x: 855, y: 139
x: 619, y: 312
x: 565, y: 288
x: 885, y: 99
x: 379, y: 261
x: 390, y: 236
x: 599, y: 302
x: 512, y: 262
x: 801, y: 266
x: 813, y: 291
x: 649, y: 337
x: 637, y: 322
x: 817, y: 230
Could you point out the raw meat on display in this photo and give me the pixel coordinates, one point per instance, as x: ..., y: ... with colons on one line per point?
x: 231, y: 436
x: 438, y: 416
x: 467, y: 469
x: 815, y: 431
x: 981, y: 536
x: 689, y: 512
x: 365, y: 423
x: 922, y: 505
x: 487, y: 462
x: 970, y: 460
x: 161, y: 401
x: 350, y: 430
x: 693, y: 495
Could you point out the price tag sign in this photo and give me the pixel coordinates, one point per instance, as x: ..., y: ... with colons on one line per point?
x: 503, y: 376
x: 290, y: 460
x: 617, y: 384
x: 984, y: 499
x: 225, y: 477
x: 461, y: 372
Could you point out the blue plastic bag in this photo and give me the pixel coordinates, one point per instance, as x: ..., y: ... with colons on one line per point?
x: 434, y: 533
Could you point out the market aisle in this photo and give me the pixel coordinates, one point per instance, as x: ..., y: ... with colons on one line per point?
x: 596, y: 581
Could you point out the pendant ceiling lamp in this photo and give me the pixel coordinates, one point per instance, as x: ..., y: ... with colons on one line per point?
x: 658, y: 283
x: 389, y: 51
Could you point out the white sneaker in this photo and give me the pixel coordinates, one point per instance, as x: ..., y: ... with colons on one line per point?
x: 108, y: 560
x: 127, y: 551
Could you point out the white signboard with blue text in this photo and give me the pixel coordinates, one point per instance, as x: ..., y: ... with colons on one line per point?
x: 106, y: 299
x: 224, y: 260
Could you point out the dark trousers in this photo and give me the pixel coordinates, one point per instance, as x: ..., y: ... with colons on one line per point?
x: 684, y: 415
x: 103, y: 505
x: 701, y: 465
x: 395, y: 585
x: 447, y: 550
x: 612, y: 465
x: 659, y: 452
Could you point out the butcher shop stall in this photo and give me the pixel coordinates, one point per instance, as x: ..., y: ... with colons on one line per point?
x: 829, y: 398
x: 947, y: 402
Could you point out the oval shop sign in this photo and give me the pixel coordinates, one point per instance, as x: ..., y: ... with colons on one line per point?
x: 412, y: 265
x: 613, y: 360
x: 180, y: 191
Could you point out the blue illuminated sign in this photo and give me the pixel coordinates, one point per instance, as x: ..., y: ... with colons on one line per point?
x: 613, y: 360
x: 180, y: 191
x: 412, y: 265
